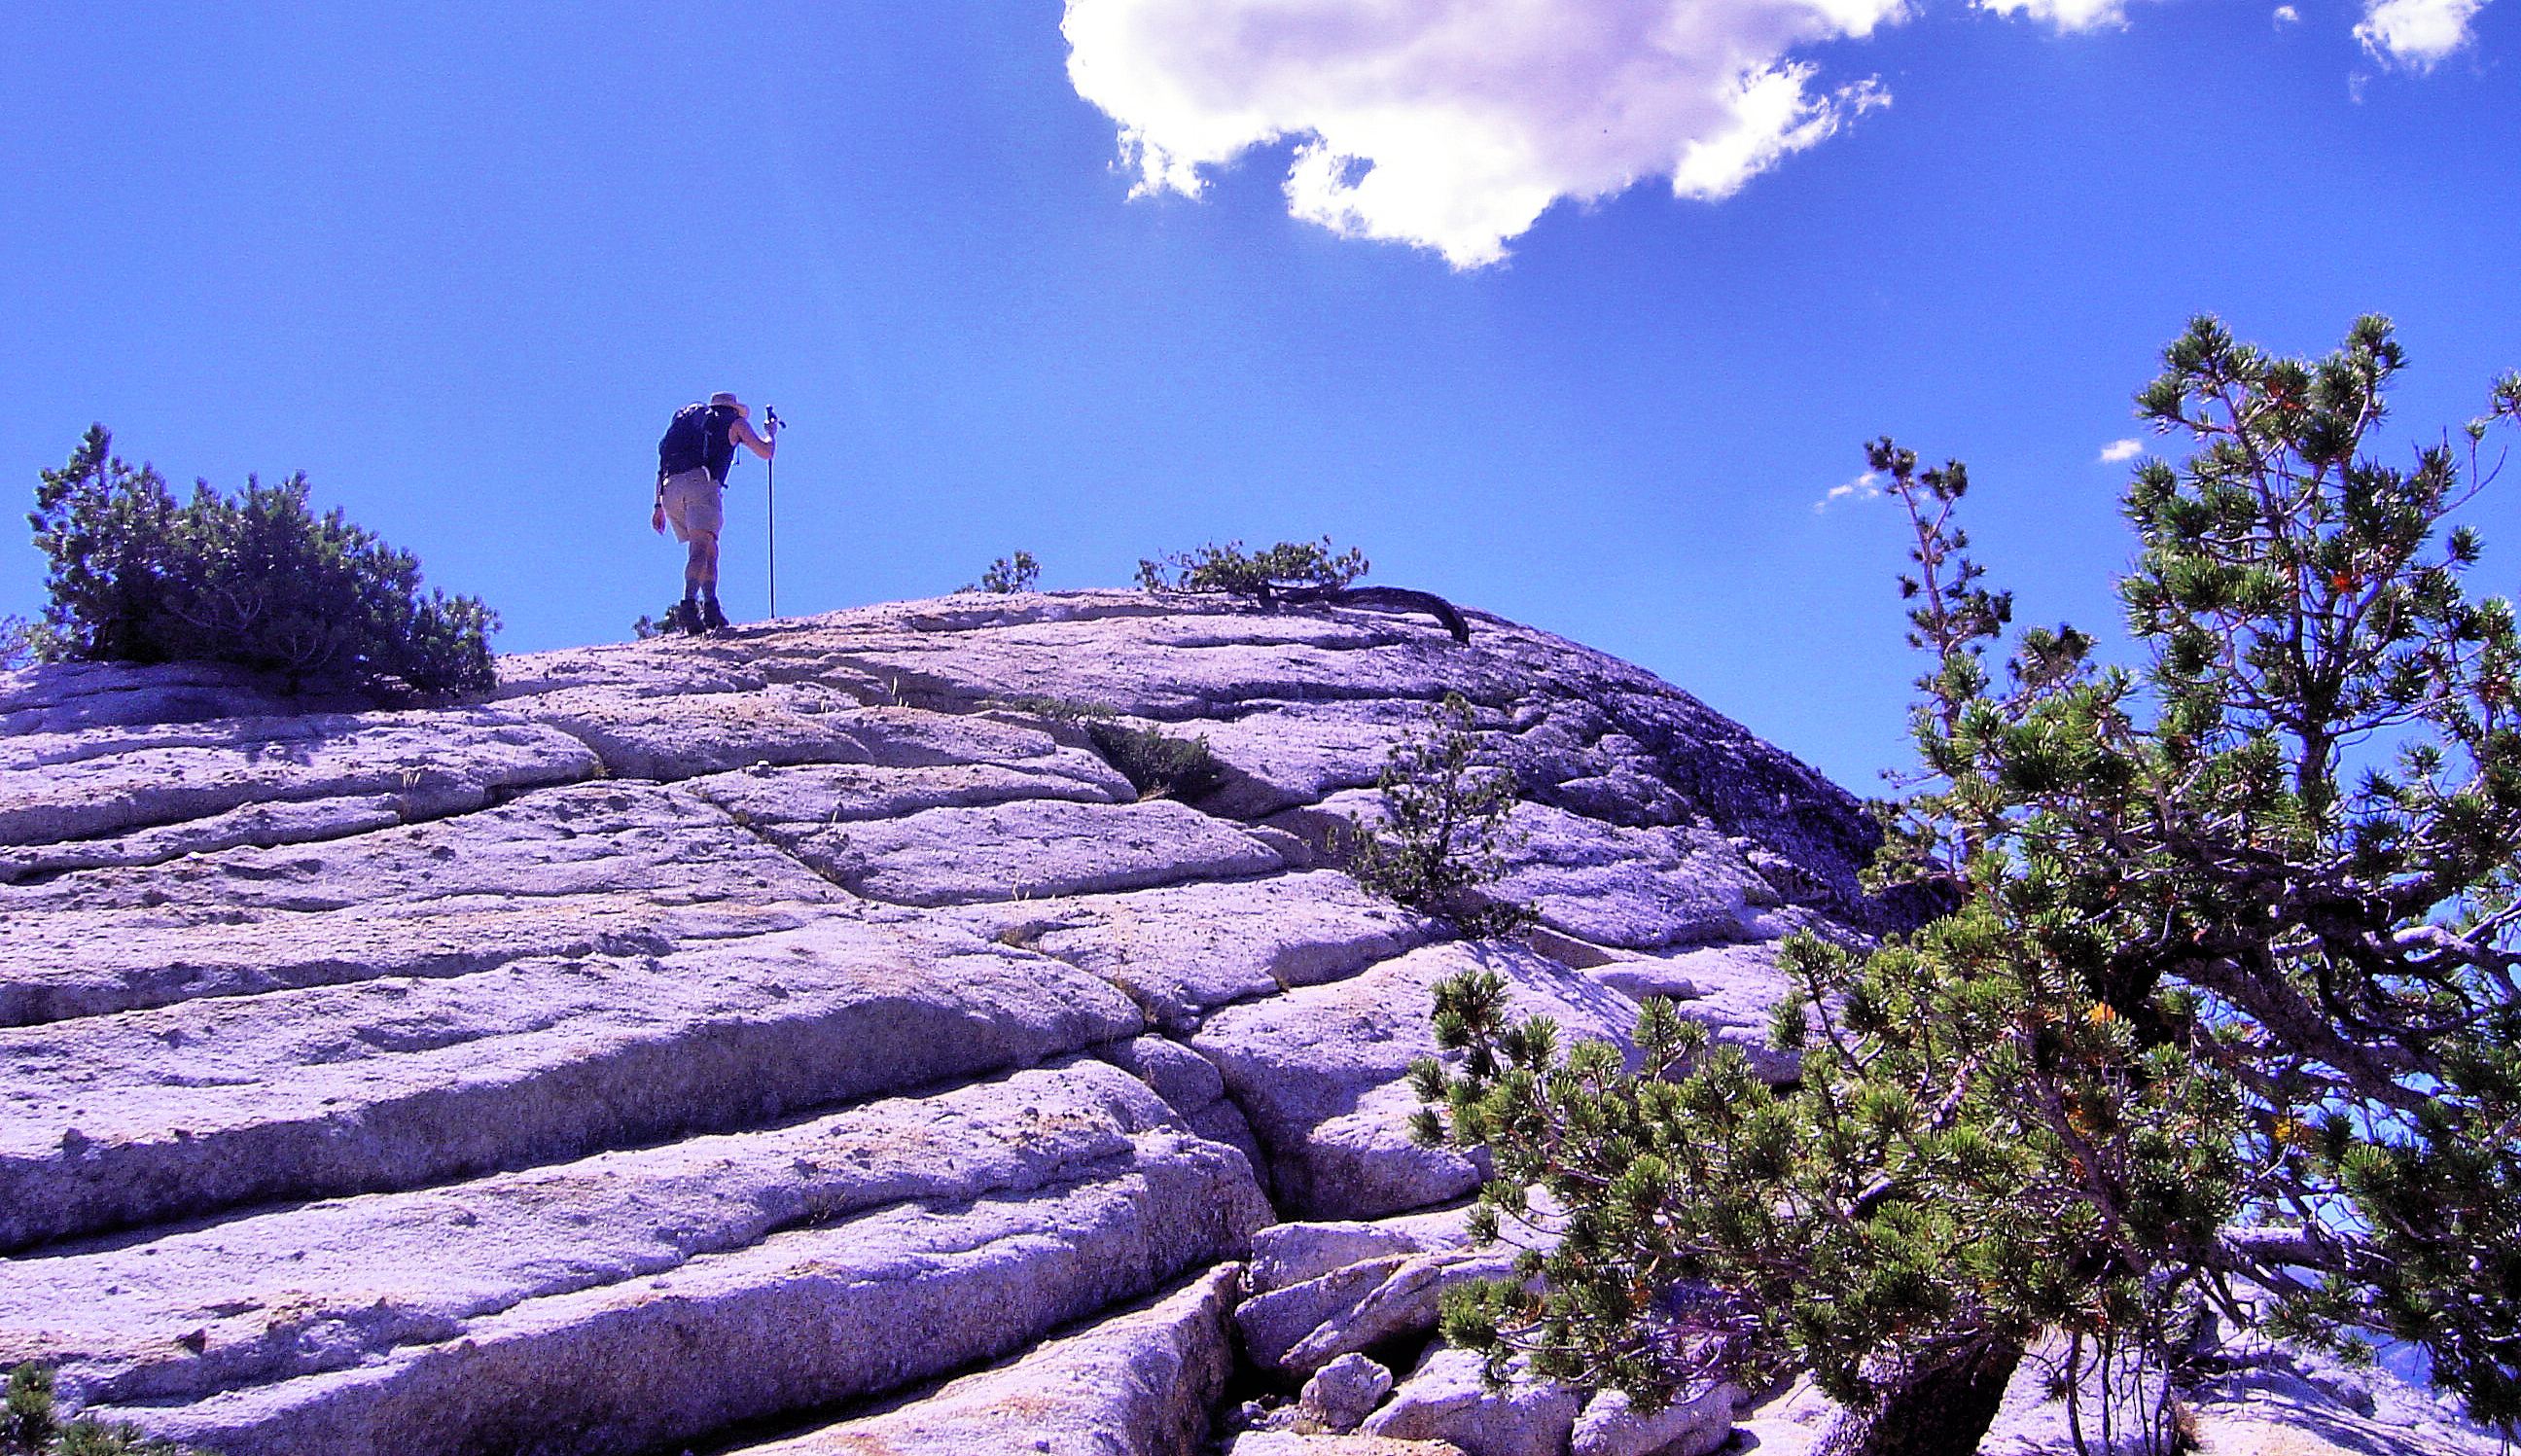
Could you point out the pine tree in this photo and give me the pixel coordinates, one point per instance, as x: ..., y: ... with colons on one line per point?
x: 256, y: 578
x: 1445, y: 829
x: 2222, y: 1020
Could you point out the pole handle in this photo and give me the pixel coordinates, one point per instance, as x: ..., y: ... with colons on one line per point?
x: 770, y: 418
x: 771, y: 468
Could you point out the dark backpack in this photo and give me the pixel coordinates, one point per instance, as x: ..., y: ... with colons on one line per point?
x: 687, y: 440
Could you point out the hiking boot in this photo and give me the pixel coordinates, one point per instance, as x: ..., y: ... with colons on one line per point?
x: 710, y: 617
x: 687, y: 619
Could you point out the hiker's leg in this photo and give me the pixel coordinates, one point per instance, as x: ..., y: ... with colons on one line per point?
x: 700, y: 580
x: 691, y: 501
x: 712, y: 613
x: 699, y: 566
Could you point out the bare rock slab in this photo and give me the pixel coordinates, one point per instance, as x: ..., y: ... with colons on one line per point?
x: 304, y: 1289
x: 1182, y: 950
x: 1732, y: 989
x: 2120, y: 1409
x: 58, y: 965
x: 1298, y: 1443
x: 1034, y: 849
x: 543, y: 1310
x: 1292, y: 1252
x: 1445, y: 1399
x: 1629, y: 887
x: 1187, y: 657
x: 1636, y: 887
x: 789, y: 803
x: 580, y: 839
x: 1135, y: 1384
x: 1280, y: 756
x: 1611, y: 1425
x: 684, y: 735
x: 1323, y: 1292
x: 1343, y: 1393
x: 2275, y: 1399
x: 607, y: 867
x: 1321, y: 1072
x: 818, y: 1314
x: 1309, y: 1326
x: 382, y: 1084
x: 1791, y: 1420
x: 77, y: 697
x: 66, y: 787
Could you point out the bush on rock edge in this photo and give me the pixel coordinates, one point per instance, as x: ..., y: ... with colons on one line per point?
x: 256, y: 580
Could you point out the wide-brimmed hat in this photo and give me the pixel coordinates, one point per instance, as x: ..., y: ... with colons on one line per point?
x: 724, y: 400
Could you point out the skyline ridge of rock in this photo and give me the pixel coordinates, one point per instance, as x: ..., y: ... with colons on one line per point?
x: 745, y: 1042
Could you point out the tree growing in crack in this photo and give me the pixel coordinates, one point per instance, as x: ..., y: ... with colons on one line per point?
x: 1444, y: 831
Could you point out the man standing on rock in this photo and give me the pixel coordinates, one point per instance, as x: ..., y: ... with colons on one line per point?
x: 692, y: 462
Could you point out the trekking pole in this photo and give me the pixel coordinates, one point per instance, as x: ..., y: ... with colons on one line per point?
x: 771, y: 417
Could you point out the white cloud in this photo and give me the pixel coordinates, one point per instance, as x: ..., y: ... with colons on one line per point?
x: 1865, y: 487
x: 1454, y: 124
x: 2416, y: 33
x: 2286, y: 14
x: 2122, y: 449
x: 2065, y: 15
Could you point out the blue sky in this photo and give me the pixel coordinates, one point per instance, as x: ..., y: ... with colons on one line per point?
x: 460, y: 266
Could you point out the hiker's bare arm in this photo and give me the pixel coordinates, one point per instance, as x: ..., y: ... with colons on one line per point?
x: 741, y: 434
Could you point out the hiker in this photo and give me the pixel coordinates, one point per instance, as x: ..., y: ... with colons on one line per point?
x: 692, y: 462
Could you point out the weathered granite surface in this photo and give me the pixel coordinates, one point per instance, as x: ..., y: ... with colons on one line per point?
x: 1136, y: 1383
x: 797, y: 1039
x: 2246, y: 1397
x: 1445, y: 1399
x: 1343, y: 1393
x: 1320, y: 1291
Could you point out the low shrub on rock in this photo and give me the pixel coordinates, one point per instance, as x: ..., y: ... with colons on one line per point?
x: 1158, y: 764
x: 257, y: 579
x: 29, y: 1428
x: 1155, y: 763
x: 1008, y: 576
x: 1057, y: 710
x: 1293, y: 573
x: 1261, y: 574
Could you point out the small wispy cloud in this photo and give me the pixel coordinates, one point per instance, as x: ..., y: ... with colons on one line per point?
x: 2122, y: 449
x: 2416, y: 34
x: 2286, y: 14
x: 2066, y: 15
x: 1864, y: 488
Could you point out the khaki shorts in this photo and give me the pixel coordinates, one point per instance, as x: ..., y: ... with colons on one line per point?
x: 692, y: 504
